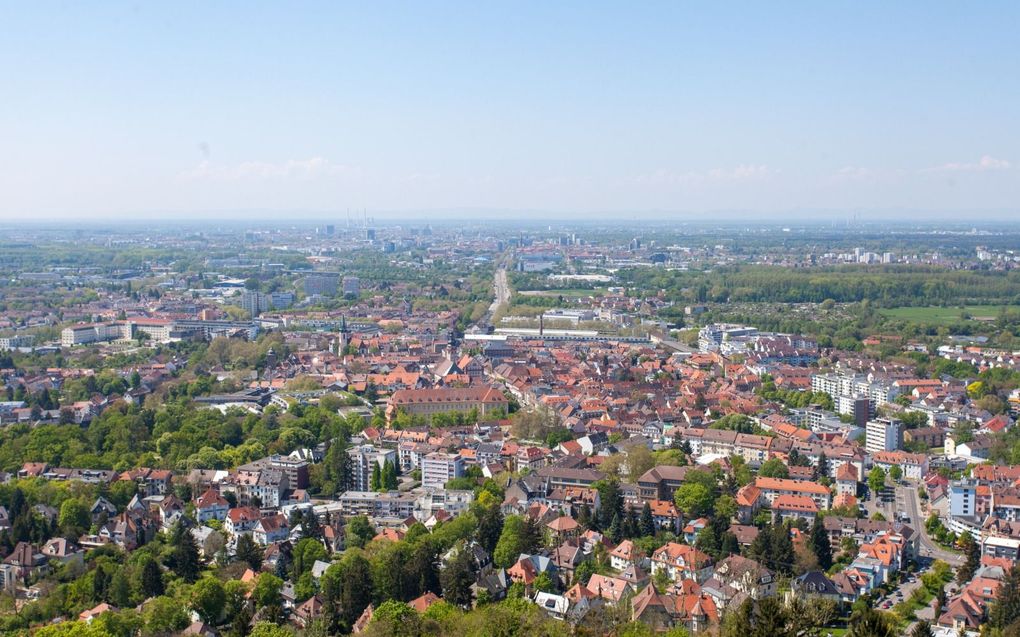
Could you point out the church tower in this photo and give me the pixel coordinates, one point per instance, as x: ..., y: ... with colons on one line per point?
x: 344, y: 337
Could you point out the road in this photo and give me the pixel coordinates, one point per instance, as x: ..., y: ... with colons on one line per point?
x: 501, y: 292
x: 907, y: 497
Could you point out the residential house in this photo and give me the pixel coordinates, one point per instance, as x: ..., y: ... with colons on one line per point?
x: 681, y: 561
x: 211, y: 506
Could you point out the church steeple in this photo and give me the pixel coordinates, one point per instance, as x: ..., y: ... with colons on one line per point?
x: 344, y: 338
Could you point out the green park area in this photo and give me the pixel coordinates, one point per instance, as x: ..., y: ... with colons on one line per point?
x: 948, y: 315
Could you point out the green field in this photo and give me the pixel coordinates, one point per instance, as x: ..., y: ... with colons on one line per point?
x: 946, y: 314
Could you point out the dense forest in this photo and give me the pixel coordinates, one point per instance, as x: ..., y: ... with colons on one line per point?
x: 884, y: 286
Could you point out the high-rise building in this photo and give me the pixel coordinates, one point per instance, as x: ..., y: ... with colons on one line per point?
x: 963, y: 498
x: 352, y: 286
x: 883, y: 434
x: 278, y: 300
x: 321, y: 283
x: 439, y: 468
x: 362, y: 458
x: 254, y: 302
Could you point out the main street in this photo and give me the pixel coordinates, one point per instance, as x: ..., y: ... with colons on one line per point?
x: 501, y: 295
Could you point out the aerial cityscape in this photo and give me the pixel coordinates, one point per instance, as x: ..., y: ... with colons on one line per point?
x: 526, y: 320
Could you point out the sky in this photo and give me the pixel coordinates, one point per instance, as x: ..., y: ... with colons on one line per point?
x: 770, y: 109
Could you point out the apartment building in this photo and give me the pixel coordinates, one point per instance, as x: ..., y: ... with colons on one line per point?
x: 322, y: 283
x: 883, y: 434
x: 439, y: 468
x: 8, y: 343
x: 362, y: 458
x: 847, y: 389
x: 377, y: 505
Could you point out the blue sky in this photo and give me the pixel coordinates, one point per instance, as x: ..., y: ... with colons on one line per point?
x: 186, y: 108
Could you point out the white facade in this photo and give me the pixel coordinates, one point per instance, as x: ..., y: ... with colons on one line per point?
x: 963, y: 499
x: 883, y: 434
x: 362, y: 458
x: 439, y: 468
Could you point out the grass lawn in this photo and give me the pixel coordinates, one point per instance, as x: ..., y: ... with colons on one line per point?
x: 944, y: 315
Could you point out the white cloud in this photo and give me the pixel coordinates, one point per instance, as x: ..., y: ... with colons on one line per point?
x: 986, y: 163
x: 292, y: 169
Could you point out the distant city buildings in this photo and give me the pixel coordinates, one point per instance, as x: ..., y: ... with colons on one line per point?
x: 352, y: 286
x: 158, y: 330
x: 255, y: 303
x: 8, y: 343
x: 711, y: 337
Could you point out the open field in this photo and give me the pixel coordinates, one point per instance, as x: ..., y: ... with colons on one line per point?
x: 946, y: 314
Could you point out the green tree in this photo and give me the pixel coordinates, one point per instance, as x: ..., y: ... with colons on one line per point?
x: 774, y: 468
x: 151, y: 579
x: 184, y: 557
x: 304, y: 587
x: 266, y: 592
x: 725, y: 507
x: 356, y: 590
x: 694, y: 499
x: 74, y: 518
x: 208, y: 598
x: 876, y: 479
x: 512, y: 542
x: 647, y: 523
x: 249, y: 552
x: 164, y: 616
x: 394, y: 618
x: 544, y: 583
x: 375, y: 481
x: 1006, y: 608
x: 269, y: 629
x: 490, y: 526
x: 922, y: 629
x: 820, y: 544
x: 457, y: 578
x: 304, y: 555
x: 235, y: 598
x: 972, y: 551
x: 868, y: 622
x: 783, y: 556
x: 359, y: 531
x: 896, y: 473
x: 422, y: 572
x: 611, y: 501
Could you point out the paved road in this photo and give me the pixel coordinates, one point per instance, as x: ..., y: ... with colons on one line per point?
x: 926, y: 546
x: 502, y: 289
x: 501, y: 295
